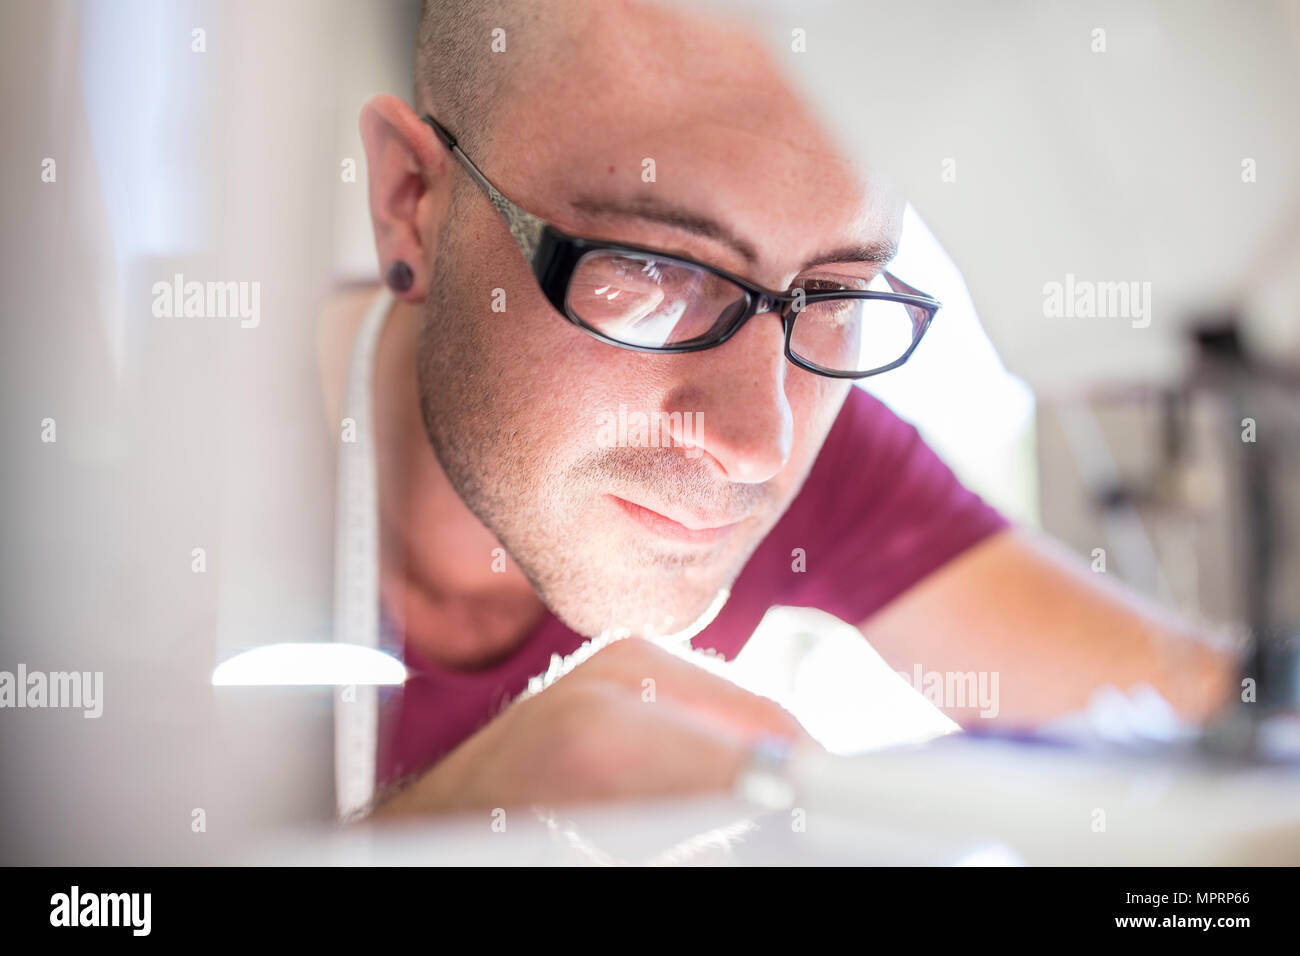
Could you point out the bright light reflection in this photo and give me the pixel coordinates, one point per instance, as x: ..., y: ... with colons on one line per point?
x: 297, y: 664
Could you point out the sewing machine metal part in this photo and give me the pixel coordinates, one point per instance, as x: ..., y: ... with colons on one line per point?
x: 1263, y: 724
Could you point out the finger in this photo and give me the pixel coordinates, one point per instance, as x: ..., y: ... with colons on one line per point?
x: 655, y: 674
x: 640, y: 750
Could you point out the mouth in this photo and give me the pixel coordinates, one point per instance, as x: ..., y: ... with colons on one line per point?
x: 690, y: 529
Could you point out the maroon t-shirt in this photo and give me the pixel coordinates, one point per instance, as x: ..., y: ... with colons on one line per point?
x: 878, y: 513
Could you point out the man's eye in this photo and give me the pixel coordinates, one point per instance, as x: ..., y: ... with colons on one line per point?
x: 819, y: 285
x: 832, y: 284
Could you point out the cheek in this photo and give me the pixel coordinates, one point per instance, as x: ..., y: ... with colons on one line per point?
x: 555, y: 387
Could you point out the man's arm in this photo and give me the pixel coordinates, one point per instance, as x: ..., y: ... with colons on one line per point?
x: 596, y: 735
x: 1020, y: 606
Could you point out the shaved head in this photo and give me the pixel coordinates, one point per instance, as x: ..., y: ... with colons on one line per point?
x: 457, y: 74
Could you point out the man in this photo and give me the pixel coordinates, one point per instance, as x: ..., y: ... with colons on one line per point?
x: 511, y: 530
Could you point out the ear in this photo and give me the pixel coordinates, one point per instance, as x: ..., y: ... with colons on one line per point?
x: 410, y: 188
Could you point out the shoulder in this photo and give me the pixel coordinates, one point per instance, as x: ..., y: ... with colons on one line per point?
x: 876, y: 473
x: 867, y: 451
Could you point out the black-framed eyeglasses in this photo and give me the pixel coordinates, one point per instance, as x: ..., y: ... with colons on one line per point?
x: 649, y: 301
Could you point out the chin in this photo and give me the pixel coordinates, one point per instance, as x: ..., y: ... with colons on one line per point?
x: 641, y: 615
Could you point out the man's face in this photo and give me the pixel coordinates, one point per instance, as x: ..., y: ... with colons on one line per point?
x: 521, y: 405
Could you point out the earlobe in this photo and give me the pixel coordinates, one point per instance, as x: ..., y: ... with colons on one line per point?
x: 408, y: 192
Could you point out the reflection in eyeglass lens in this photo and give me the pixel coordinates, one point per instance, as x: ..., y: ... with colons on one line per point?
x: 649, y: 302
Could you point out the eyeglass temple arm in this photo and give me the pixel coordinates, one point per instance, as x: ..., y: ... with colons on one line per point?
x: 524, y: 226
x: 527, y: 228
x: 898, y: 285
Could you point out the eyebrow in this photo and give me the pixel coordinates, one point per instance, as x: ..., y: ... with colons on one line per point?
x: 658, y: 210
x: 879, y: 251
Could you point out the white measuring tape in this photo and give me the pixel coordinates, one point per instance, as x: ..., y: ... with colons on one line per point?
x: 356, y: 573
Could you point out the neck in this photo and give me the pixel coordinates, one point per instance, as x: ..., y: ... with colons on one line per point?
x: 437, y: 560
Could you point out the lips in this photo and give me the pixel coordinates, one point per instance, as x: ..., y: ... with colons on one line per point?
x: 695, y: 529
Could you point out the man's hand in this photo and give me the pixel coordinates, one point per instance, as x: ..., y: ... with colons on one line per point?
x: 593, y: 735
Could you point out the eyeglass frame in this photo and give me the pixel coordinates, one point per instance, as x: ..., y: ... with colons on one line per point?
x: 553, y: 256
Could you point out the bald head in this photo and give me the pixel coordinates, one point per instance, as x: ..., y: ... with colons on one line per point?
x: 473, y: 56
x: 458, y: 74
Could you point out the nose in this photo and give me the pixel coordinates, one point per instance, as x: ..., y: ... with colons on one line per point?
x: 742, y: 418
